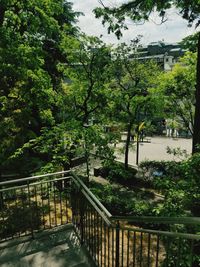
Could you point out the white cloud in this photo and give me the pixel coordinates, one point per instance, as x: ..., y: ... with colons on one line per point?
x: 171, y: 31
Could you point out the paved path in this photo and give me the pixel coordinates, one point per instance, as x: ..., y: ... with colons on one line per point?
x: 156, y: 149
x: 58, y: 247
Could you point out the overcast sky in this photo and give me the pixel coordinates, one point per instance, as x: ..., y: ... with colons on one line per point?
x: 171, y: 31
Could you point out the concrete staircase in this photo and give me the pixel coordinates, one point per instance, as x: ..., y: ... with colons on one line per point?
x: 58, y: 247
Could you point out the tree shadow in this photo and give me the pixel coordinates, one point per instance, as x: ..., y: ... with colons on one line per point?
x: 56, y: 248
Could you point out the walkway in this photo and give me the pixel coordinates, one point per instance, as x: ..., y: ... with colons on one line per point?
x: 52, y: 248
x: 156, y: 149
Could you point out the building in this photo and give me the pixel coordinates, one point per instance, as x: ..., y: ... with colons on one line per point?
x: 165, y: 54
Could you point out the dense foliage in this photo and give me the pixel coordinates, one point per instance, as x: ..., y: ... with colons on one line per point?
x: 120, y: 201
x: 178, y: 182
x: 139, y: 10
x: 132, y: 91
x: 178, y: 86
x: 31, y: 33
x: 60, y: 88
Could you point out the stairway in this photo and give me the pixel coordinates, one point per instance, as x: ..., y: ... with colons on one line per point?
x: 58, y: 247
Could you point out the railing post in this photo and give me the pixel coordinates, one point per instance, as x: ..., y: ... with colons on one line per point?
x: 117, y: 247
x: 1, y: 200
x: 31, y: 210
x: 82, y: 212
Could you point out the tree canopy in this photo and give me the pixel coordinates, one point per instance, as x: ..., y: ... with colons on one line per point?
x: 30, y: 37
x: 139, y: 10
x: 190, y: 42
x: 131, y: 90
x: 178, y: 87
x: 56, y: 81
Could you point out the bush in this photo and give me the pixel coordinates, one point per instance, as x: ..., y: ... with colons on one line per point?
x: 179, y: 182
x: 151, y: 169
x: 191, y: 184
x: 115, y: 172
x: 19, y: 219
x: 120, y: 201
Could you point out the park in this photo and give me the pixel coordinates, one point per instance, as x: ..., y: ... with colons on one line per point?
x: 100, y: 140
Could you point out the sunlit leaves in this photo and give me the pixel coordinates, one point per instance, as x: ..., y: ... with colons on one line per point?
x: 30, y: 85
x: 179, y: 89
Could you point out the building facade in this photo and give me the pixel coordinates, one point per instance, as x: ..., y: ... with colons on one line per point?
x: 165, y: 54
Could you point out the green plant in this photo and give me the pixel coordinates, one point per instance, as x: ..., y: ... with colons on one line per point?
x: 178, y: 152
x: 116, y: 172
x: 151, y: 169
x: 19, y: 219
x: 121, y: 201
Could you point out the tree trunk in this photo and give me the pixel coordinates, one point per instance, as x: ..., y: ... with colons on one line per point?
x: 127, y: 145
x: 196, y: 133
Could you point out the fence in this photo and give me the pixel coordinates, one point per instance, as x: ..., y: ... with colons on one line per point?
x: 34, y: 203
x: 46, y: 201
x: 116, y: 241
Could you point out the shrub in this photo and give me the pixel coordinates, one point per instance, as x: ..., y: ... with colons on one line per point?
x: 19, y: 219
x: 151, y: 169
x: 115, y: 172
x: 120, y: 201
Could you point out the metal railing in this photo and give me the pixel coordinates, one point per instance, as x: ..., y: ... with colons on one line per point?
x: 164, y: 241
x: 121, y: 241
x: 34, y: 203
x: 42, y: 202
x: 92, y: 222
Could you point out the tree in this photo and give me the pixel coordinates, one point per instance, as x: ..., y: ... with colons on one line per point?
x: 139, y: 10
x: 178, y: 86
x: 87, y: 77
x: 131, y: 90
x: 30, y: 37
x: 190, y: 42
x: 85, y: 89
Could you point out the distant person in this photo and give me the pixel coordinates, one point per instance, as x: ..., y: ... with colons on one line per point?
x: 172, y: 128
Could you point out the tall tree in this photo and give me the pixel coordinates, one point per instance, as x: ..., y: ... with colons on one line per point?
x: 30, y: 37
x: 131, y: 90
x: 139, y: 10
x: 85, y: 88
x: 179, y: 89
x: 87, y: 77
x: 190, y: 42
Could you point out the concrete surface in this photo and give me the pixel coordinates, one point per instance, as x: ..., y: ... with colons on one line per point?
x: 59, y: 247
x: 156, y: 149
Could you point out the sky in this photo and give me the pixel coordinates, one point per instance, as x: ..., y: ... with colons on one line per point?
x: 173, y: 30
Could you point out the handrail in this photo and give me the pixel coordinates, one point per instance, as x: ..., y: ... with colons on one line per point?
x: 36, y: 183
x: 33, y: 177
x: 106, y: 219
x: 95, y: 225
x: 45, y: 202
x: 158, y: 220
x: 97, y: 204
x: 92, y: 196
x: 166, y: 233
